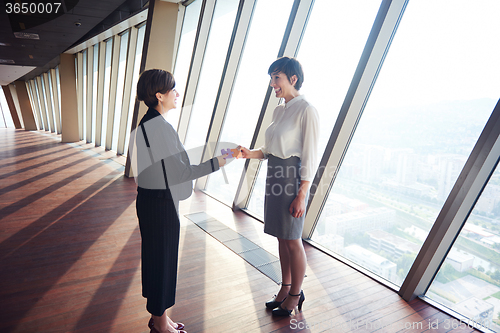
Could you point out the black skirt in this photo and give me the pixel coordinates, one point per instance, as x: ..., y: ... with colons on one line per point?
x: 159, y: 226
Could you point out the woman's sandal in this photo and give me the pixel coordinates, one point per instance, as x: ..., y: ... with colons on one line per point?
x: 273, y: 303
x: 279, y: 311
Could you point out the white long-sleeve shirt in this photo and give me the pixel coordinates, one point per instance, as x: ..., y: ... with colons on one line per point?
x: 294, y: 131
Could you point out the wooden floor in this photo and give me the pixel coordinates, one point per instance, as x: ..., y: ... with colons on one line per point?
x: 70, y: 258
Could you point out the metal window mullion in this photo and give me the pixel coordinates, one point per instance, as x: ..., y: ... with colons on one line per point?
x: 36, y: 98
x: 127, y: 89
x: 45, y: 94
x: 372, y: 58
x: 200, y: 44
x: 235, y: 50
x: 178, y: 31
x: 50, y: 93
x: 79, y: 92
x: 41, y: 99
x: 115, y: 59
x: 89, y: 96
x: 100, y: 92
x: 55, y: 98
x: 297, y: 29
x: 289, y: 47
x: 34, y: 103
x: 48, y: 97
x: 473, y: 178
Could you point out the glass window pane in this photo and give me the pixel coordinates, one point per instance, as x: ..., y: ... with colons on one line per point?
x: 34, y: 103
x: 43, y: 101
x: 50, y: 100
x: 6, y: 119
x: 213, y: 63
x: 84, y: 98
x: 430, y: 103
x: 256, y: 203
x: 250, y: 87
x: 58, y: 83
x: 95, y: 79
x: 37, y: 100
x: 122, y: 65
x: 186, y: 44
x: 135, y: 77
x: 327, y: 72
x: 469, y: 279
x: 107, y: 83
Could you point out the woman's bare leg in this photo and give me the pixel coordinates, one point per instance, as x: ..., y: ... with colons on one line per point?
x: 296, y: 261
x: 286, y: 278
x: 164, y: 323
x: 172, y: 323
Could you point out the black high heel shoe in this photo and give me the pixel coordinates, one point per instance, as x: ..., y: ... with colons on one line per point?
x: 279, y: 311
x: 273, y: 303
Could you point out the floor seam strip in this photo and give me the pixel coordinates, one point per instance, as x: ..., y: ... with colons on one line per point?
x: 260, y: 259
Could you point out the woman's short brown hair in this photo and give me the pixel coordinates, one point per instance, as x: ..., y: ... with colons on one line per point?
x: 153, y: 81
x: 289, y: 67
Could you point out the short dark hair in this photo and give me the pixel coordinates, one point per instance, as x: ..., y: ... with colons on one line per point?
x: 153, y: 81
x: 290, y: 67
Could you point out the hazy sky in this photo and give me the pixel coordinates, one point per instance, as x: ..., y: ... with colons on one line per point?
x: 443, y: 50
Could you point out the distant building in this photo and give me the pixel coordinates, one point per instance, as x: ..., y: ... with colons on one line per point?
x: 365, y: 163
x: 396, y: 246
x: 489, y: 199
x: 475, y: 229
x: 492, y: 241
x: 450, y: 166
x: 342, y: 204
x: 360, y: 221
x: 477, y: 310
x: 461, y: 261
x: 415, y: 189
x: 332, y: 207
x: 332, y: 242
x: 406, y: 173
x: 371, y: 261
x: 417, y: 233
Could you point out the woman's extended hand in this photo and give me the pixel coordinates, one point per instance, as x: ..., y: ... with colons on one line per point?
x: 247, y: 153
x: 298, y: 207
x: 222, y: 160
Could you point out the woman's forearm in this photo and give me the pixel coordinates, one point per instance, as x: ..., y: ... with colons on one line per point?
x: 257, y: 153
x: 303, y: 189
x: 247, y: 153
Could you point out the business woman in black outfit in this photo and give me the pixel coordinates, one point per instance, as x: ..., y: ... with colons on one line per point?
x: 164, y: 176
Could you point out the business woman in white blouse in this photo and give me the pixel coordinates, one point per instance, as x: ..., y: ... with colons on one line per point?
x: 291, y: 149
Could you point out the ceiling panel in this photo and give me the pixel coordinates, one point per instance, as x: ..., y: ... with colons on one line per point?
x: 55, y: 35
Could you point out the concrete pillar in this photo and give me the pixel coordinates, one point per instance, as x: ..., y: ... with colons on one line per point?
x: 160, y: 48
x: 69, y: 106
x: 12, y: 107
x: 21, y: 91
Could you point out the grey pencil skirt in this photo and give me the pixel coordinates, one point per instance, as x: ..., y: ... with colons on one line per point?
x: 282, y: 186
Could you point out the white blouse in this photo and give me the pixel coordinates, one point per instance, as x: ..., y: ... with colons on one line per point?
x: 294, y: 131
